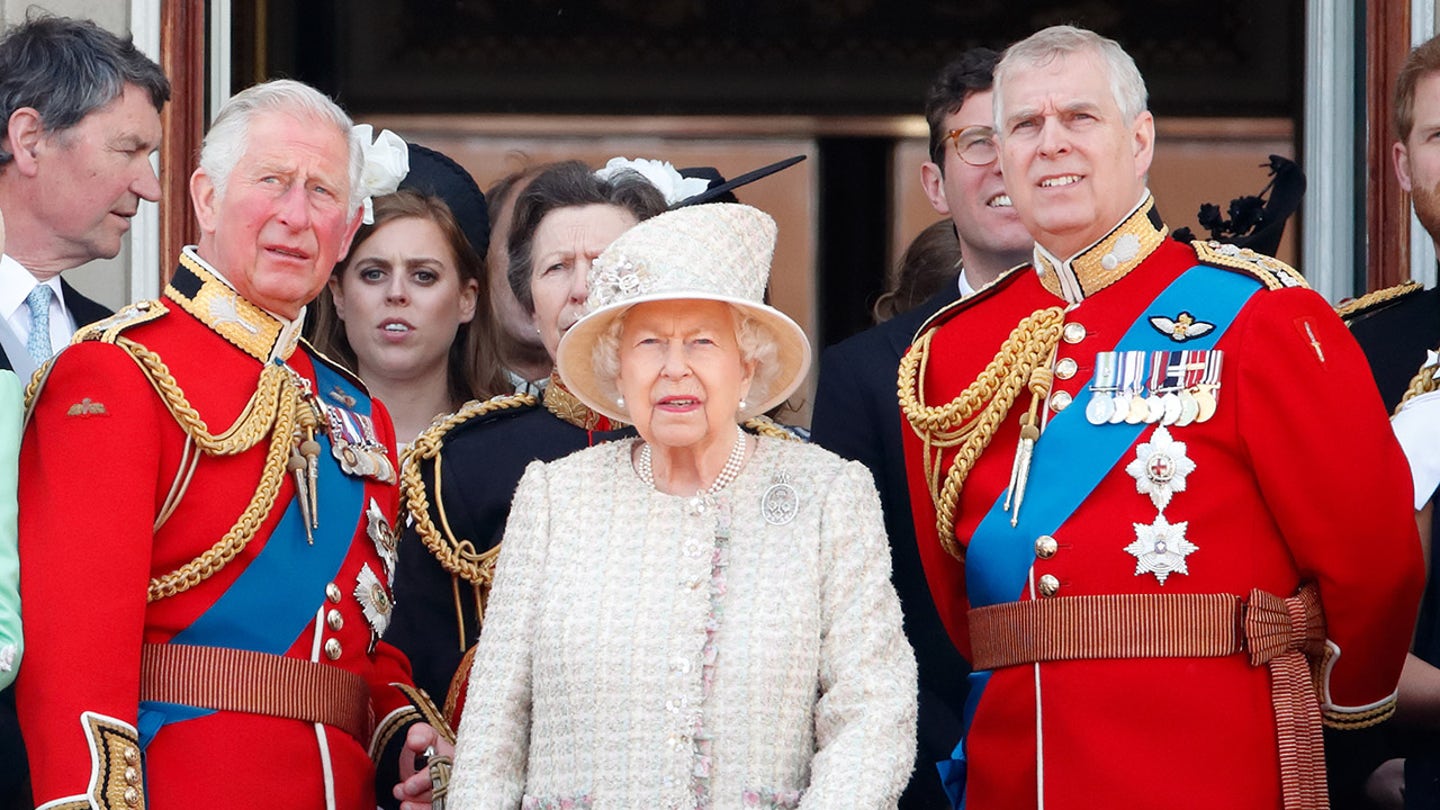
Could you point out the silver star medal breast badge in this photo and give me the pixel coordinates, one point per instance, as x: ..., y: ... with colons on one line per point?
x: 1161, y: 548
x: 1160, y: 467
x: 374, y: 602
x: 383, y: 536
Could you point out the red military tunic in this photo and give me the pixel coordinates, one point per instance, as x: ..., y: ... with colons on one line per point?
x: 1293, y: 478
x: 111, y: 506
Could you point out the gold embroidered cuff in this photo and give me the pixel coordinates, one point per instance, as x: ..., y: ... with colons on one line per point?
x: 422, y: 703
x: 1350, y: 721
x: 117, y: 775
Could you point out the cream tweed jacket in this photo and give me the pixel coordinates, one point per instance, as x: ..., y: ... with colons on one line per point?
x: 644, y: 650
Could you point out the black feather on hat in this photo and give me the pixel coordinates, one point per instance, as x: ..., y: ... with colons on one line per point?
x: 1255, y: 222
x: 722, y: 190
x: 437, y: 175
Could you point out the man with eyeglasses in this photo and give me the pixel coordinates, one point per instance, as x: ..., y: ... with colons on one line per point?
x: 1170, y: 574
x: 855, y: 410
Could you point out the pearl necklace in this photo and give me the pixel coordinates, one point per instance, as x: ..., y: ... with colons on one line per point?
x: 727, y: 475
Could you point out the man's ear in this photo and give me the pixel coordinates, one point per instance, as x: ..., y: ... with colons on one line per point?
x: 337, y: 295
x: 1144, y: 134
x: 23, y: 134
x: 202, y: 197
x: 933, y: 181
x: 1401, y: 156
x: 350, y: 231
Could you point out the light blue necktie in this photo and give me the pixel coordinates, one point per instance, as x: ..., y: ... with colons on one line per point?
x: 38, y: 343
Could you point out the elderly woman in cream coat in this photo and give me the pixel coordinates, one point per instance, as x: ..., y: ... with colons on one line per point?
x: 697, y: 618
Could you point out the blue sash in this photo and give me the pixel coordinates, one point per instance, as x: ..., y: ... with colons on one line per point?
x: 274, y: 599
x: 1071, y: 457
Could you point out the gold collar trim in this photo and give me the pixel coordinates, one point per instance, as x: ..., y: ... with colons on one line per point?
x: 202, y: 293
x: 1108, y: 260
x: 565, y: 405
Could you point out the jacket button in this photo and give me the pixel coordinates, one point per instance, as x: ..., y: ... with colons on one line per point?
x: 1045, y: 547
x: 332, y: 592
x: 1066, y: 368
x: 1059, y: 401
x: 334, y: 619
x: 1073, y: 332
x: 332, y: 648
x: 1049, y: 586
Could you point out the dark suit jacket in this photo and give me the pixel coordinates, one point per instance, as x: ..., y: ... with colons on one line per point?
x: 857, y: 416
x: 1395, y: 339
x: 84, y: 311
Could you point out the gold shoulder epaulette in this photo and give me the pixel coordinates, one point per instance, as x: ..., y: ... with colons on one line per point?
x: 1357, y: 308
x: 948, y: 311
x: 455, y: 554
x: 130, y: 315
x: 763, y: 425
x: 106, y: 330
x: 1272, y: 272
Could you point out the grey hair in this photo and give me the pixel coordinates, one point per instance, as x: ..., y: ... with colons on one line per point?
x: 67, y: 68
x: 225, y: 143
x: 569, y: 184
x: 1127, y: 86
x: 756, y: 342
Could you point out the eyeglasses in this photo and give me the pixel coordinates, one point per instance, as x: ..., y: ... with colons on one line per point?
x: 974, y: 145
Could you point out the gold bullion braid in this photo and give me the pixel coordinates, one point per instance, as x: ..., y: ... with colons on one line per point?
x: 217, y: 556
x: 249, y: 428
x: 1422, y: 383
x: 1374, y: 298
x: 33, y: 386
x: 970, y: 420
x: 457, y: 556
x: 765, y: 426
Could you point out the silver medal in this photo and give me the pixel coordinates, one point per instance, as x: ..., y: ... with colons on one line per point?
x: 1102, y: 403
x: 1189, y: 409
x: 1172, y: 408
x: 1155, y: 406
x: 1100, y: 408
x: 1120, y: 407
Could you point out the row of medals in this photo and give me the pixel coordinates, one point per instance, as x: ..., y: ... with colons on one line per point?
x: 1118, y: 393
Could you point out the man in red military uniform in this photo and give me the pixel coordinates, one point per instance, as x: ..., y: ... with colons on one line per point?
x: 1158, y: 500
x: 208, y: 506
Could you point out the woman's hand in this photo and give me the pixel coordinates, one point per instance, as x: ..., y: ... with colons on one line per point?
x: 418, y: 786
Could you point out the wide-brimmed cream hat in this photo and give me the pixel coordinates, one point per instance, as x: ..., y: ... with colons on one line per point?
x: 714, y: 252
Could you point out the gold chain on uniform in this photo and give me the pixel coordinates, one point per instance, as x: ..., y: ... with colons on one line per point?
x: 970, y: 420
x: 459, y: 559
x: 1422, y: 383
x: 458, y: 556
x: 277, y: 408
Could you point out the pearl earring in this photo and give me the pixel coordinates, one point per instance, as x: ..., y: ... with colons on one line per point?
x: 620, y: 402
x: 744, y: 404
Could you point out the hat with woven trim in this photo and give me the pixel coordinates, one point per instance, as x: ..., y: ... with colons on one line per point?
x: 715, y: 252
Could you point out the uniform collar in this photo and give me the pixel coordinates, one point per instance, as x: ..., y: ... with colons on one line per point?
x: 1108, y: 260
x: 205, y: 293
x: 565, y: 405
